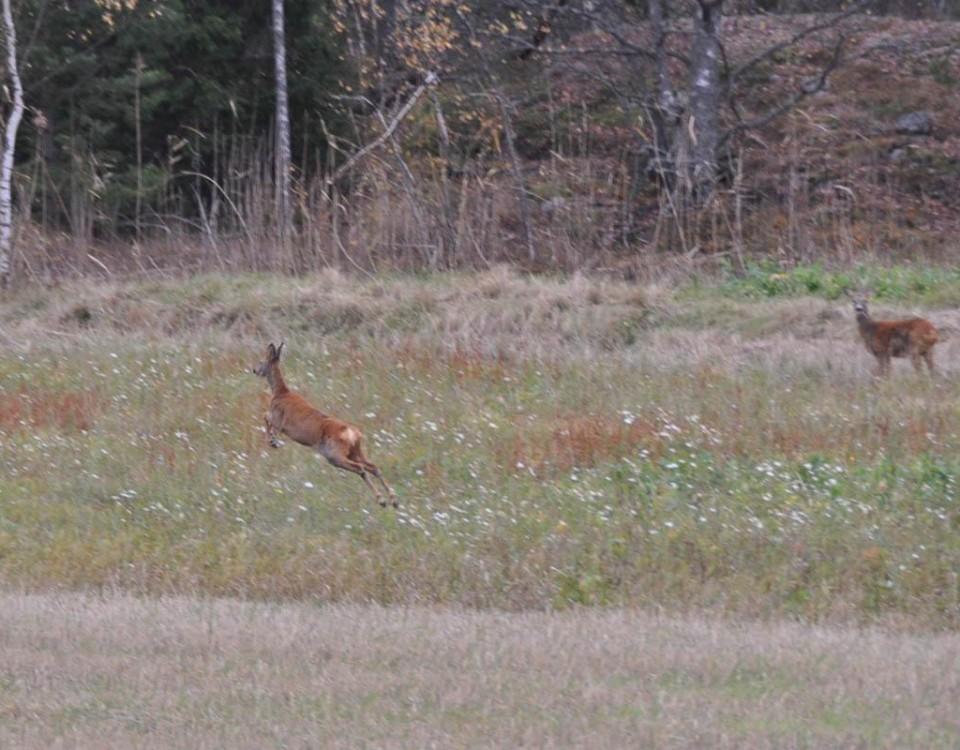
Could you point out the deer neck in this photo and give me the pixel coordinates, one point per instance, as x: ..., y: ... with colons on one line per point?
x: 865, y: 324
x: 275, y: 379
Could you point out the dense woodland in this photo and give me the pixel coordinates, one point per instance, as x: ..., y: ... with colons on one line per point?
x: 429, y: 134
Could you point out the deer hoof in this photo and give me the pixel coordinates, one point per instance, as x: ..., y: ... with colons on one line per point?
x: 274, y: 443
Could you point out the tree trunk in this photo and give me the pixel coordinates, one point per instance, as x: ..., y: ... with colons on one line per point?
x: 665, y: 113
x: 386, y: 23
x: 138, y: 77
x: 9, y: 147
x: 703, y: 127
x: 282, y: 151
x: 666, y: 97
x: 520, y: 183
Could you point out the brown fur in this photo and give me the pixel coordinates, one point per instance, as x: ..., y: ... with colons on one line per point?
x: 886, y: 339
x: 334, y: 439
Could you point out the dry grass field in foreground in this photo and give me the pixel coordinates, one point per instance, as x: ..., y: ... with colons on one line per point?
x: 121, y: 672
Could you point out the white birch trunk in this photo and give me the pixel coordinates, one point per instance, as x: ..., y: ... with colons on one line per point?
x: 666, y: 97
x: 665, y: 115
x: 282, y: 155
x: 9, y: 146
x: 704, y: 124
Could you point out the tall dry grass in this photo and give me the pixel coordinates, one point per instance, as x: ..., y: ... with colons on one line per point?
x: 112, y: 671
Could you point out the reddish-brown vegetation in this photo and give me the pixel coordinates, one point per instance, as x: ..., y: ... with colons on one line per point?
x: 460, y: 363
x: 43, y: 409
x: 577, y: 441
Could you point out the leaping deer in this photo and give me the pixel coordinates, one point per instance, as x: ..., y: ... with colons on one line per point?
x: 911, y: 337
x: 335, y: 440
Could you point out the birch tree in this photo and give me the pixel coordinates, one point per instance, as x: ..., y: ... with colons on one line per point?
x: 9, y: 146
x: 282, y: 126
x: 703, y: 127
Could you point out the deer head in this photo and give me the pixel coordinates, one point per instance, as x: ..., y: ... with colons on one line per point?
x: 273, y: 356
x: 859, y: 301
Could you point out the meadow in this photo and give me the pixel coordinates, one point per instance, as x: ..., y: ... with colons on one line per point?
x: 701, y: 447
x: 118, y: 672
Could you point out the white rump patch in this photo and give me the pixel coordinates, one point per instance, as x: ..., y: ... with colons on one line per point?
x: 351, y: 435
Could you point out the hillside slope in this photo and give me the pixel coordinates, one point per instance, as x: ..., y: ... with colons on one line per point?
x: 833, y: 179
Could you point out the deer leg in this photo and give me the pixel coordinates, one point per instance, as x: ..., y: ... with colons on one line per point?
x: 372, y: 468
x: 271, y: 432
x: 342, y: 462
x: 884, y: 366
x: 356, y: 454
x: 928, y: 358
x: 915, y: 361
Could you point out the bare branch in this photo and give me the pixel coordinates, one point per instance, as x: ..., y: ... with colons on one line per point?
x: 602, y: 25
x: 593, y: 51
x: 800, y: 35
x: 429, y: 80
x: 811, y: 87
x: 543, y: 29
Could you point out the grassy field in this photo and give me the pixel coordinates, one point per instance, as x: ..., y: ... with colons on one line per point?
x: 713, y: 447
x: 119, y: 672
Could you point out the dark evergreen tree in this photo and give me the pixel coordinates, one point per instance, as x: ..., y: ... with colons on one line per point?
x: 191, y: 80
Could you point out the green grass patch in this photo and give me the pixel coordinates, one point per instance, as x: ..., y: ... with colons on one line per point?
x: 924, y: 284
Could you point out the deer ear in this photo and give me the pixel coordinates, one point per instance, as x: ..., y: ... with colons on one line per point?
x: 271, y: 351
x: 279, y: 349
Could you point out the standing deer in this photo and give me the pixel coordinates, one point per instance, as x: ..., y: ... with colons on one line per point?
x: 332, y: 438
x: 911, y: 337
